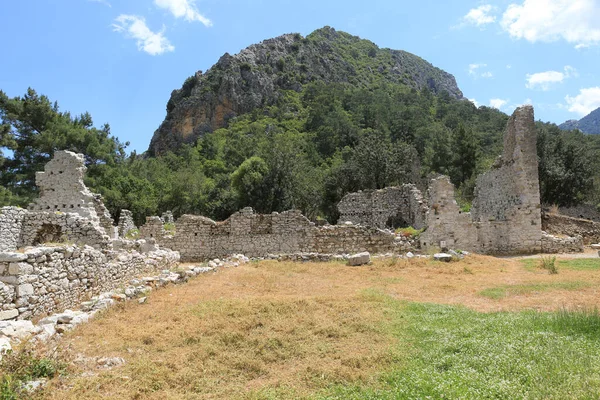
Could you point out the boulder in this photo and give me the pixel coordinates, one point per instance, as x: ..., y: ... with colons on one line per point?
x: 359, y: 259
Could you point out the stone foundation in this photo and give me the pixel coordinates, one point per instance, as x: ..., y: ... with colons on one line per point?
x: 552, y: 244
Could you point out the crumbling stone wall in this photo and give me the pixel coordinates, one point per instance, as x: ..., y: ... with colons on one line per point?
x: 557, y: 224
x: 256, y: 235
x: 43, y: 280
x: 445, y: 220
x: 126, y: 223
x: 392, y: 207
x: 62, y: 190
x: 506, y: 213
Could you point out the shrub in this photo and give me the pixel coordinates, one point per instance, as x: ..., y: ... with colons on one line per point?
x: 409, y: 232
x: 170, y: 228
x: 132, y: 234
x: 549, y: 264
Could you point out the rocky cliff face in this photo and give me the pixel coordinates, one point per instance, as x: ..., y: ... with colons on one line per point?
x: 257, y: 76
x: 588, y: 124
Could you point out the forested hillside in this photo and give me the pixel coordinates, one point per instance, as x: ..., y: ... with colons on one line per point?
x: 304, y: 148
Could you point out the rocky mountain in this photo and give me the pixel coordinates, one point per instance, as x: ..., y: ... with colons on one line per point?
x: 260, y: 74
x: 588, y: 124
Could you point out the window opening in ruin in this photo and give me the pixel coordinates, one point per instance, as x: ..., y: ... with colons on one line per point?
x: 48, y: 233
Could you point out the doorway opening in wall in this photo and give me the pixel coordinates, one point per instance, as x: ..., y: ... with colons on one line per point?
x: 49, y: 233
x: 397, y: 221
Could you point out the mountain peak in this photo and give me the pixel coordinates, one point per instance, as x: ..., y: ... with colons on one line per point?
x: 588, y: 124
x: 258, y: 75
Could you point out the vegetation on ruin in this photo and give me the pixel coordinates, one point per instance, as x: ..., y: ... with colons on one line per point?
x: 272, y: 330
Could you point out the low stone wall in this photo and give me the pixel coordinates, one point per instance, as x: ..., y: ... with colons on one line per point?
x: 44, y: 280
x: 557, y: 224
x: 552, y: 244
x: 256, y: 235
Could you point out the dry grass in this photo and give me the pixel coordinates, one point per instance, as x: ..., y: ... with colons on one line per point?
x: 296, y: 327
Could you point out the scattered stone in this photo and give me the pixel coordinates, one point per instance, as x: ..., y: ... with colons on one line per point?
x: 142, y: 300
x: 596, y: 246
x: 359, y: 259
x: 444, y: 257
x: 8, y: 314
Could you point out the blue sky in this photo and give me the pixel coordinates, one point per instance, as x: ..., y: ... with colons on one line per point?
x: 120, y: 59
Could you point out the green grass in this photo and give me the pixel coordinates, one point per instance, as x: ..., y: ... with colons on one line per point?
x: 500, y: 292
x: 576, y: 264
x: 456, y: 353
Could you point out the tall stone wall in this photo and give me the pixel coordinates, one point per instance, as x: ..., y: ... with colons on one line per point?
x: 506, y: 213
x: 43, y: 280
x: 256, y: 235
x: 507, y: 198
x: 391, y: 207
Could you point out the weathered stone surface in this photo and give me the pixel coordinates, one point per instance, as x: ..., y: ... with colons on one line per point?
x: 506, y: 213
x: 12, y: 257
x: 126, y: 224
x: 359, y: 259
x: 8, y: 314
x: 198, y: 238
x: 392, y: 207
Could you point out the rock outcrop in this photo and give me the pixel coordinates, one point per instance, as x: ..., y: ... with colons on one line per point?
x: 258, y: 74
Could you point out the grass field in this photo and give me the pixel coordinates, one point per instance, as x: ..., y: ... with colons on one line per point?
x: 479, y: 328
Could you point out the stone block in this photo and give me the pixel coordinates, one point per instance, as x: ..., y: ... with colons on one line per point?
x: 359, y: 259
x: 20, y: 268
x: 12, y: 257
x: 8, y: 314
x: 25, y: 290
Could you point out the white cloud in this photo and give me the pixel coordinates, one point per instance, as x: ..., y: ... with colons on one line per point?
x: 508, y: 66
x: 184, y: 9
x: 575, y: 21
x: 498, y: 103
x: 153, y: 43
x: 474, y: 70
x: 585, y: 102
x: 480, y: 16
x: 545, y: 80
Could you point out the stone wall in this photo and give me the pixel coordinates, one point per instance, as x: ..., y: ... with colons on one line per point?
x: 445, y: 221
x: 506, y: 213
x: 43, y: 280
x: 11, y: 222
x: 552, y: 244
x: 392, y: 207
x: 557, y: 224
x: 583, y: 211
x: 256, y: 235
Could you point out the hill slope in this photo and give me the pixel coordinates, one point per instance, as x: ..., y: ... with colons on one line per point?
x: 588, y: 124
x: 258, y: 74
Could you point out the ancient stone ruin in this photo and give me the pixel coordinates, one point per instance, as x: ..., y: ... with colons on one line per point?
x: 393, y: 207
x: 59, y: 251
x: 256, y: 235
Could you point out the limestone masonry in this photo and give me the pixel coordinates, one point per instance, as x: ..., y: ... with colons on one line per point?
x: 393, y: 207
